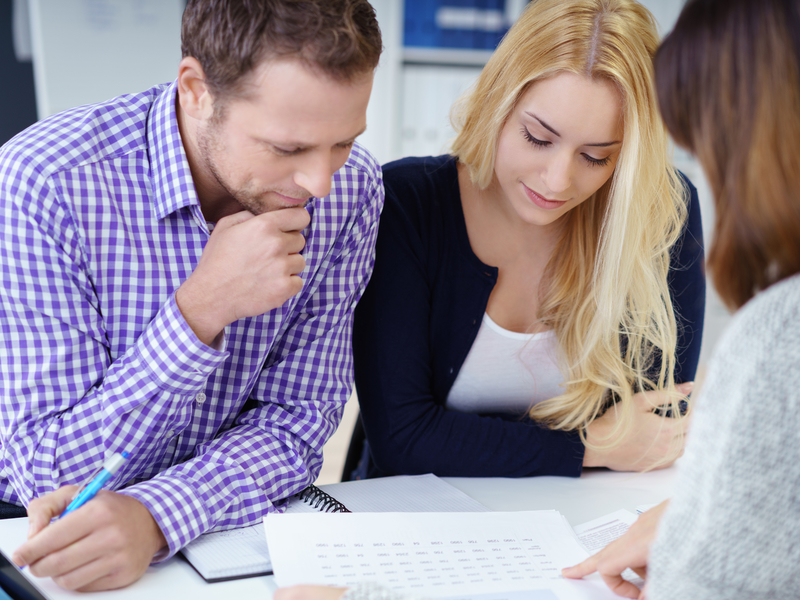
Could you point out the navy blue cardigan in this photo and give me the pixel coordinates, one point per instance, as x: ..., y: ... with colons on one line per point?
x: 419, y: 318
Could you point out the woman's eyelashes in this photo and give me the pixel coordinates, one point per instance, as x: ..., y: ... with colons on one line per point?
x: 597, y: 162
x: 536, y: 142
x: 594, y: 162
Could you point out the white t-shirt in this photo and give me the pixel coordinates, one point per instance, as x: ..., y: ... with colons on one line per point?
x: 506, y: 371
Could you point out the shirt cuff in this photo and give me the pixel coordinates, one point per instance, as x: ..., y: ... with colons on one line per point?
x: 189, y: 499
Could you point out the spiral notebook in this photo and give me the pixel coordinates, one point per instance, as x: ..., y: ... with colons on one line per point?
x: 243, y: 552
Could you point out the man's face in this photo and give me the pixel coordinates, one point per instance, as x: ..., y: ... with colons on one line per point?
x: 282, y: 143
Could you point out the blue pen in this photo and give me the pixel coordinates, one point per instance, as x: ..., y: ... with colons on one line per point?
x: 90, y: 490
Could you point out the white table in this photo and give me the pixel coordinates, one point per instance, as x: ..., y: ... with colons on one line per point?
x: 596, y: 493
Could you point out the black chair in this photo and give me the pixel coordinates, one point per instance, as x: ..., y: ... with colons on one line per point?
x: 11, y: 511
x: 355, y: 452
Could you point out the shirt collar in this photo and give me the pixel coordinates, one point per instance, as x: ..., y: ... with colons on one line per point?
x: 173, y: 186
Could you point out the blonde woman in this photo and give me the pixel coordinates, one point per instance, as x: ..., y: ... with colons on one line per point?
x: 537, y: 294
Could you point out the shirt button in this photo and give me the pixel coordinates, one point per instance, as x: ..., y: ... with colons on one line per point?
x: 171, y: 433
x: 200, y: 398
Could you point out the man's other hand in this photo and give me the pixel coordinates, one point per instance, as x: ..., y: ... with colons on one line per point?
x: 105, y: 544
x: 251, y: 265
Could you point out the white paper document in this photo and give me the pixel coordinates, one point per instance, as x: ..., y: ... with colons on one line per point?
x: 598, y: 533
x: 431, y: 554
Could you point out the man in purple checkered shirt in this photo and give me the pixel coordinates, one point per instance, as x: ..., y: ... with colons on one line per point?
x: 178, y: 271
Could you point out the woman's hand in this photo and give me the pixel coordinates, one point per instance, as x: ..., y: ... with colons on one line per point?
x: 309, y: 592
x: 631, y: 551
x: 650, y: 439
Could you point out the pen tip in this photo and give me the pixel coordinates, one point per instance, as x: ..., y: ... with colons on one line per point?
x: 125, y: 455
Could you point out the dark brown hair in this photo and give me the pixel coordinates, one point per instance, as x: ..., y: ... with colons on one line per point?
x: 728, y: 80
x: 229, y: 38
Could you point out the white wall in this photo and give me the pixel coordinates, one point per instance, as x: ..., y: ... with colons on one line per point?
x: 87, y: 51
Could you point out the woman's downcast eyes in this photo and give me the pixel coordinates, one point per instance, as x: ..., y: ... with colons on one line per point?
x: 594, y: 162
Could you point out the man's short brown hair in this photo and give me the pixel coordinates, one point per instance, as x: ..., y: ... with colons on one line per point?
x: 230, y: 38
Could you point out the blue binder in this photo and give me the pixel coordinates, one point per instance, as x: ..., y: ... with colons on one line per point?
x: 473, y: 24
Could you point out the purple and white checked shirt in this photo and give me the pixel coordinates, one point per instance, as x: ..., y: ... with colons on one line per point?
x: 99, y: 225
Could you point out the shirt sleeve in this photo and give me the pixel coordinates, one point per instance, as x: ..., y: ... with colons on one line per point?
x: 66, y: 405
x: 274, y: 449
x: 409, y: 430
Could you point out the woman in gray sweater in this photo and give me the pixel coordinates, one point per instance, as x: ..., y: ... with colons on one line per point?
x: 728, y: 78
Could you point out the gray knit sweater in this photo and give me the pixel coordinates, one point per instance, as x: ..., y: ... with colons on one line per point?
x: 732, y: 530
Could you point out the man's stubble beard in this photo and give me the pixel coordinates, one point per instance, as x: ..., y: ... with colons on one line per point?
x: 208, y: 142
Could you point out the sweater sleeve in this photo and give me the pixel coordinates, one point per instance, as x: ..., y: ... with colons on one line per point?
x: 408, y: 428
x: 732, y: 528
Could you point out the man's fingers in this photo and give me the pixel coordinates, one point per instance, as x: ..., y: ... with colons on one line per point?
x: 233, y: 220
x: 287, y: 220
x: 53, y: 538
x: 73, y: 546
x: 290, y: 219
x: 82, y: 578
x: 94, y: 576
x: 294, y: 287
x: 71, y: 568
x: 106, y: 544
x: 295, y: 243
x: 583, y: 569
x: 295, y: 263
x: 42, y: 510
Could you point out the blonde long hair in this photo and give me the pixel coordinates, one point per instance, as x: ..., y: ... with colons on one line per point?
x: 605, y: 288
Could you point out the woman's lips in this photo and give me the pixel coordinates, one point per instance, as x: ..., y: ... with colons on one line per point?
x: 541, y: 201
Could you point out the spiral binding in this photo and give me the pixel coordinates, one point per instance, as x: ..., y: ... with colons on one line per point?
x: 321, y: 501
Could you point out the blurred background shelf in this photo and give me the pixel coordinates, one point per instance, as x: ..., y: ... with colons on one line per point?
x: 454, y: 57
